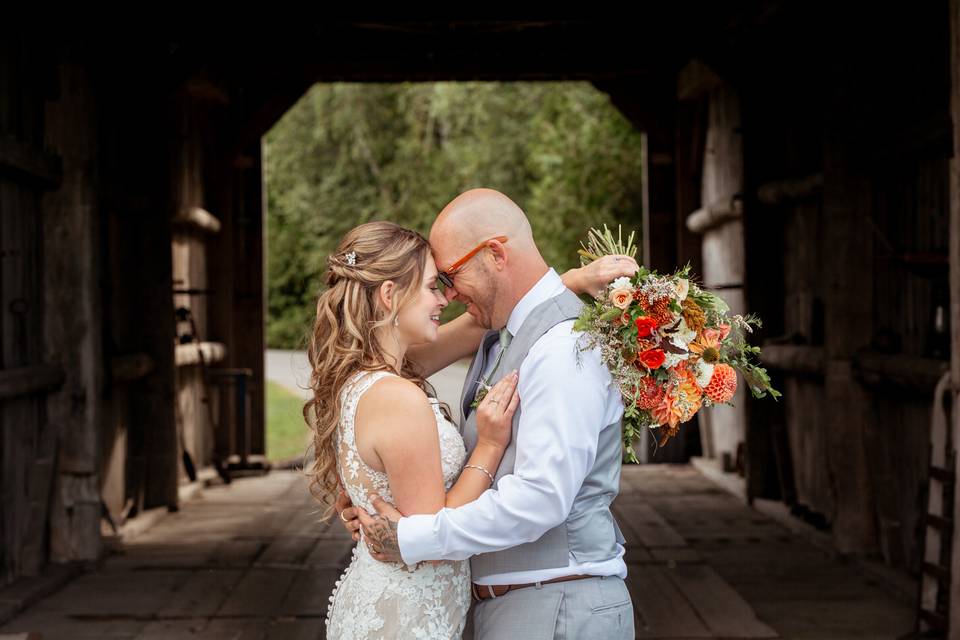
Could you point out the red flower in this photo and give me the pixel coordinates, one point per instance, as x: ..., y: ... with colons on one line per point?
x: 652, y: 358
x: 645, y: 326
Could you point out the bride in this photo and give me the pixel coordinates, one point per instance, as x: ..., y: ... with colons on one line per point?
x: 377, y: 429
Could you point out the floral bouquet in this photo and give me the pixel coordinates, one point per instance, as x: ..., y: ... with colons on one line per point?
x: 671, y: 346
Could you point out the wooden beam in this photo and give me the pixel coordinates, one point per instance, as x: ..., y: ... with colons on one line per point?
x: 23, y: 158
x: 196, y: 218
x: 790, y: 189
x: 920, y: 374
x: 190, y: 354
x: 794, y: 358
x: 715, y: 214
x: 30, y: 380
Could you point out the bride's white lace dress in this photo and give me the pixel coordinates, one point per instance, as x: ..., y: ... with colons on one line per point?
x: 373, y: 599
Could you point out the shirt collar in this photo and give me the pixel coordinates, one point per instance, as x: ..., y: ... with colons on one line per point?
x: 549, y: 286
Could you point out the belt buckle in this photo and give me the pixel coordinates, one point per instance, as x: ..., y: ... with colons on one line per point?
x: 476, y: 590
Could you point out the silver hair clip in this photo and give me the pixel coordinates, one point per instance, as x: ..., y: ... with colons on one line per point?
x: 351, y: 258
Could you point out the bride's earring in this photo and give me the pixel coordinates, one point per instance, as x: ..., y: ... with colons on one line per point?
x: 396, y: 321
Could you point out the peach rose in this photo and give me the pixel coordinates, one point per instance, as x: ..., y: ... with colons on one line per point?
x: 621, y: 297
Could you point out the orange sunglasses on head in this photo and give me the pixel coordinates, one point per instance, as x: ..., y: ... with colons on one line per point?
x: 446, y: 277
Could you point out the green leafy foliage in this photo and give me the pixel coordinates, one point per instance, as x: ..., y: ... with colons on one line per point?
x: 350, y: 153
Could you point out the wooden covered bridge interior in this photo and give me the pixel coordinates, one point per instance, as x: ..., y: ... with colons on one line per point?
x: 799, y: 155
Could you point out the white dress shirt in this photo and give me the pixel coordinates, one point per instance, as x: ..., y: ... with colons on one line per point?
x: 566, y: 397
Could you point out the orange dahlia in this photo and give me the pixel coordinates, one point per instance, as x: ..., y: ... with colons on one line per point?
x: 680, y: 402
x: 722, y: 385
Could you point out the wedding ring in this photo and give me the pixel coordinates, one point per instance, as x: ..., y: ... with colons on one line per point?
x: 341, y: 515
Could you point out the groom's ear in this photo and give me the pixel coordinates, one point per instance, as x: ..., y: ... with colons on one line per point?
x: 498, y: 253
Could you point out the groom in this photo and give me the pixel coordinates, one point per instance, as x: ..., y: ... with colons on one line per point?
x: 546, y: 553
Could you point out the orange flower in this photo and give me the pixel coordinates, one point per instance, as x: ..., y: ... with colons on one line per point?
x: 663, y: 413
x: 706, y: 346
x: 680, y: 402
x: 722, y: 385
x: 649, y: 394
x: 658, y: 309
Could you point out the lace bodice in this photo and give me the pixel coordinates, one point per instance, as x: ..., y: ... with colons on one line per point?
x: 392, y: 600
x: 358, y: 478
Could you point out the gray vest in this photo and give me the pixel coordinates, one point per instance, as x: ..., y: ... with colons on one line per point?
x: 590, y: 532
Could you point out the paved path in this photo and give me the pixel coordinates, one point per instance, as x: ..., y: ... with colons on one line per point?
x: 252, y: 560
x: 291, y: 370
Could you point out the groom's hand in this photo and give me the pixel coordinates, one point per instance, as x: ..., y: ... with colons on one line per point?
x: 380, y: 530
x: 348, y: 514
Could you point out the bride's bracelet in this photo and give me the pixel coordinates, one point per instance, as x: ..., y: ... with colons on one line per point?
x: 479, y: 468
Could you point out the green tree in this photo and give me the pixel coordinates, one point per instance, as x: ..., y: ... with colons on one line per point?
x: 349, y: 153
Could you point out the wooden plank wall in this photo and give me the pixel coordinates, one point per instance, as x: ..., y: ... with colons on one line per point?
x: 785, y: 287
x: 29, y: 436
x: 847, y: 188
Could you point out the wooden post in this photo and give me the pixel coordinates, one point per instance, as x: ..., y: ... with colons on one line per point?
x: 152, y: 398
x: 237, y: 312
x: 849, y: 322
x: 249, y: 295
x: 719, y: 221
x: 73, y: 318
x: 955, y: 301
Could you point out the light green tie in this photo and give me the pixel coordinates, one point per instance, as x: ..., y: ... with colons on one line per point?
x: 484, y: 386
x: 505, y: 339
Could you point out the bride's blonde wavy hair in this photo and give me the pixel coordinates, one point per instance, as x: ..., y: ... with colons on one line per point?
x: 345, y: 337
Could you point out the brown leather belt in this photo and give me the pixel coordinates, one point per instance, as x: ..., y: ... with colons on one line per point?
x: 487, y: 591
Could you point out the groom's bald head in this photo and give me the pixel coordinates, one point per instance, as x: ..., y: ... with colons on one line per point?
x: 478, y: 215
x: 494, y: 280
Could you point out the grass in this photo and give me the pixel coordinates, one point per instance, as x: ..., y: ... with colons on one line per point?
x: 287, y: 434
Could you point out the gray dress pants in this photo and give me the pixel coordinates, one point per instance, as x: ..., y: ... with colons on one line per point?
x: 593, y: 608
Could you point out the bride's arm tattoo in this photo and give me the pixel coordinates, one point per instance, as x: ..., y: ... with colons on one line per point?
x: 382, y: 539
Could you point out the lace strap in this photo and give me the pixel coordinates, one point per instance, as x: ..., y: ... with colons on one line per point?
x: 353, y: 390
x: 365, y: 379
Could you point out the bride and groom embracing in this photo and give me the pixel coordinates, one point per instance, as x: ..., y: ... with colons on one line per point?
x: 510, y: 508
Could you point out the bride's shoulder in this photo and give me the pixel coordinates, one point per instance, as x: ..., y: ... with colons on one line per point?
x: 390, y: 392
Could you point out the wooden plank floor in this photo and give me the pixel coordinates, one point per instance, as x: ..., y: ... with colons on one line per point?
x: 252, y: 560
